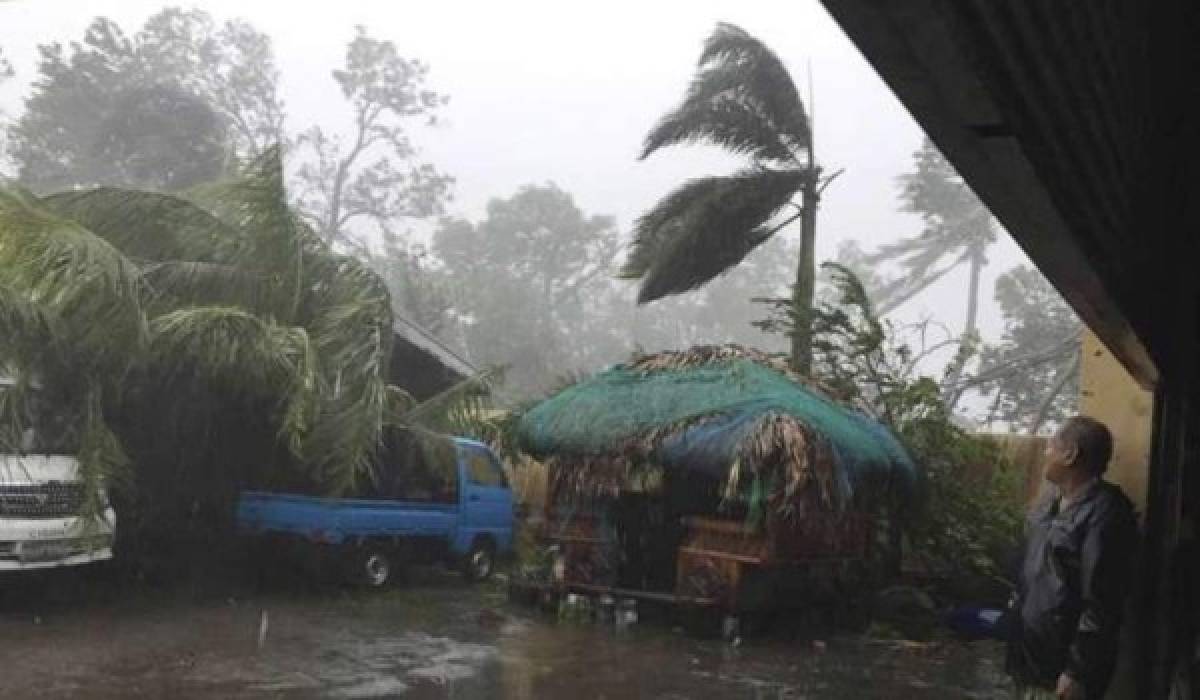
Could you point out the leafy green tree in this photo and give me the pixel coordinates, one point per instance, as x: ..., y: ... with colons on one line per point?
x: 182, y: 99
x: 532, y: 290
x: 209, y: 339
x: 374, y: 175
x: 186, y: 100
x: 162, y: 138
x: 958, y: 230
x: 850, y: 255
x: 1033, y: 371
x: 968, y: 513
x: 527, y: 274
x: 6, y: 72
x: 742, y: 99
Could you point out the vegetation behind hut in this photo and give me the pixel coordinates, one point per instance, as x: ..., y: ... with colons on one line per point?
x: 967, y: 519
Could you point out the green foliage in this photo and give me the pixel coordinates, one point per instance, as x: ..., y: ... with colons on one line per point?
x: 235, y: 352
x: 373, y: 176
x: 957, y: 229
x: 742, y: 99
x: 210, y: 340
x: 969, y: 513
x: 856, y: 355
x: 162, y: 137
x: 178, y: 103
x: 971, y: 517
x: 187, y: 100
x: 529, y: 277
x: 464, y: 409
x: 6, y: 72
x: 1032, y: 372
x: 726, y: 217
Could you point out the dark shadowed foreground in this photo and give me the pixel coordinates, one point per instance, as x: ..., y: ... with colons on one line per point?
x: 433, y: 637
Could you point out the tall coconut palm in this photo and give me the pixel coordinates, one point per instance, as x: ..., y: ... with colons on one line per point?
x: 957, y: 231
x: 743, y: 100
x: 160, y: 320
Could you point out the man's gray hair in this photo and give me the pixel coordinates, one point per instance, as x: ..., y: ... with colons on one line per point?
x: 1092, y: 439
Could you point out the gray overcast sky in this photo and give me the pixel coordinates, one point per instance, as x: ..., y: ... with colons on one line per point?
x: 565, y: 91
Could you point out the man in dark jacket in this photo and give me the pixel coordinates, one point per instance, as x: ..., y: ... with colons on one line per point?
x: 1065, y: 619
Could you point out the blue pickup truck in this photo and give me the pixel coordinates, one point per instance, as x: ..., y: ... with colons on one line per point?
x: 466, y: 520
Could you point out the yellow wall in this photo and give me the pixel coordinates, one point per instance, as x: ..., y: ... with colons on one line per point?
x: 1109, y: 394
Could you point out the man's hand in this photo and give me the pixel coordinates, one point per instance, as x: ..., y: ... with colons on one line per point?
x: 1068, y: 688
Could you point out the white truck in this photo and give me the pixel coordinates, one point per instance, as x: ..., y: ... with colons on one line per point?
x: 41, y: 498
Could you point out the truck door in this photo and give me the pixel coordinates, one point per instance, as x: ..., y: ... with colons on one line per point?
x: 487, y: 499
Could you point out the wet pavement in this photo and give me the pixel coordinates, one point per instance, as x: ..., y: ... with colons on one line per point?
x: 439, y: 638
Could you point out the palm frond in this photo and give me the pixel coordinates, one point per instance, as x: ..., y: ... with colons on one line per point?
x: 186, y: 253
x: 103, y: 461
x: 463, y: 409
x: 177, y: 283
x: 26, y: 329
x: 223, y: 290
x: 956, y: 225
x: 399, y: 402
x: 254, y: 203
x: 74, y: 275
x: 895, y: 293
x: 724, y: 121
x: 742, y: 99
x: 242, y: 355
x: 350, y: 323
x: 269, y: 233
x: 705, y: 227
x: 345, y: 437
x: 14, y: 406
x: 344, y: 305
x: 148, y: 226
x: 851, y: 291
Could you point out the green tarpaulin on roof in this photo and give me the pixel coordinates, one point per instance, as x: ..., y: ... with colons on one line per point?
x: 700, y: 416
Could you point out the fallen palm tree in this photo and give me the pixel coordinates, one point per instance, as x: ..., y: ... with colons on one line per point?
x: 713, y: 474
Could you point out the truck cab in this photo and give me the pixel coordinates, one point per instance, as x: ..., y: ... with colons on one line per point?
x: 41, y: 499
x: 404, y: 516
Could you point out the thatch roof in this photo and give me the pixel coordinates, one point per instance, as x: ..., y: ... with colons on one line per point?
x: 723, y: 411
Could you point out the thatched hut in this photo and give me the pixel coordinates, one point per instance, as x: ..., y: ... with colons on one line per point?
x: 703, y: 474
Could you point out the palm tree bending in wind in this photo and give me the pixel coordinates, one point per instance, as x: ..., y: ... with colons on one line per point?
x: 957, y: 230
x: 743, y: 100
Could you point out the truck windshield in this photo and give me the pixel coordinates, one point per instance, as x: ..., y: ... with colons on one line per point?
x: 47, y: 429
x: 413, y: 469
x: 482, y: 468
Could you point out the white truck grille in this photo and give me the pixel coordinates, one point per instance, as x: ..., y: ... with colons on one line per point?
x: 48, y: 500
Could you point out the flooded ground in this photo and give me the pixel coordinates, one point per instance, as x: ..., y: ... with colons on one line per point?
x: 436, y: 637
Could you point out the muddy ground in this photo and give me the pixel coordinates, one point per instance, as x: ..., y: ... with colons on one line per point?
x: 431, y: 637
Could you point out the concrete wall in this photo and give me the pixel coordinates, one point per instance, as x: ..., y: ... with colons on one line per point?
x: 1109, y: 394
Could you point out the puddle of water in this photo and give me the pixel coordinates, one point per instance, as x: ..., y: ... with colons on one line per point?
x: 379, y: 688
x: 381, y: 646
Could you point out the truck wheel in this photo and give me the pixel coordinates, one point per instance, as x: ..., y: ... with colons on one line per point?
x: 371, y: 567
x: 480, y: 561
